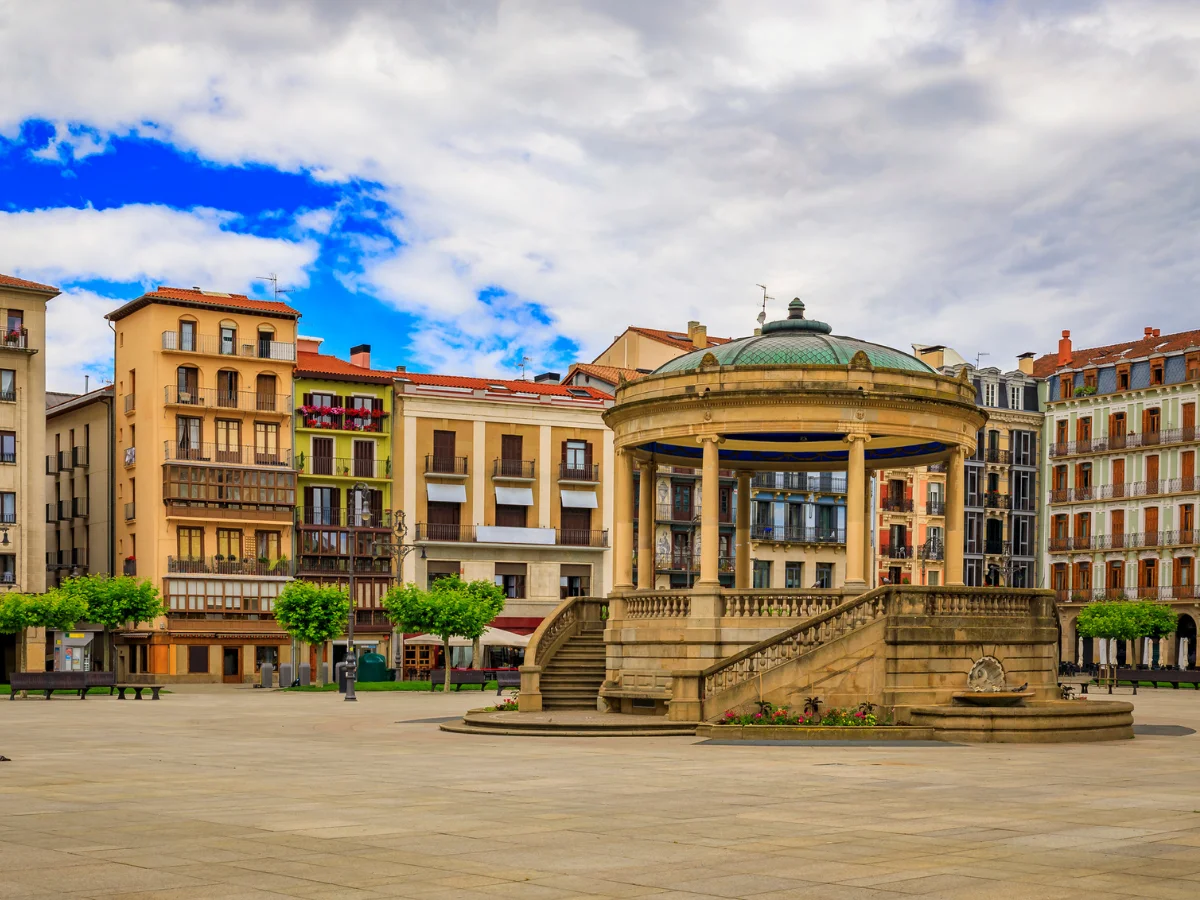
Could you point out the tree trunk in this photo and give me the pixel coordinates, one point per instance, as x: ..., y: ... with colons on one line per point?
x: 475, y: 654
x: 446, y: 660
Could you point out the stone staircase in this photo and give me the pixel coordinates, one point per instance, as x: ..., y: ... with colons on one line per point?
x: 574, y: 674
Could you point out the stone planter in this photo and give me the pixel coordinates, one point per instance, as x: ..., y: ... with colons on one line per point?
x: 814, y: 733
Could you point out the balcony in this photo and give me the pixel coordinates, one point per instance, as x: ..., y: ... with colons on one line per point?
x: 796, y: 534
x: 227, y: 565
x: 76, y: 557
x: 892, y: 550
x: 79, y: 507
x: 51, y: 513
x: 340, y: 418
x: 995, y: 455
x: 339, y: 517
x: 231, y: 454
x: 243, y: 401
x: 51, y: 464
x: 514, y: 469
x: 8, y: 518
x: 80, y: 457
x: 934, y: 552
x: 1124, y: 442
x: 685, y: 561
x: 64, y: 460
x: 130, y: 403
x: 340, y: 565
x: 1152, y: 488
x: 570, y: 472
x: 581, y: 537
x: 669, y: 512
x: 936, y: 467
x: 562, y: 537
x: 211, y: 345
x: 935, y: 508
x: 9, y: 458
x: 220, y: 511
x: 995, y: 548
x: 15, y: 340
x: 897, y: 504
x: 344, y: 467
x: 9, y: 396
x: 453, y: 466
x: 996, y: 500
x: 130, y: 512
x: 799, y: 481
x: 130, y: 456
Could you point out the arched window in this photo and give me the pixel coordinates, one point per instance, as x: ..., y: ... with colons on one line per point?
x: 187, y: 385
x: 227, y: 388
x: 187, y: 335
x: 266, y: 342
x: 228, y: 345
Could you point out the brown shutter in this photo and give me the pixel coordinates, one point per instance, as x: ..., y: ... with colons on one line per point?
x: 307, y: 400
x: 375, y: 499
x: 1188, y: 463
x: 587, y: 456
x: 564, y: 453
x: 308, y: 502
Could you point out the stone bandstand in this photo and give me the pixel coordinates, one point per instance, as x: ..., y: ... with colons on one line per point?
x: 793, y: 398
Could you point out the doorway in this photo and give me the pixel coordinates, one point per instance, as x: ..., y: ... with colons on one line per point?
x: 231, y: 665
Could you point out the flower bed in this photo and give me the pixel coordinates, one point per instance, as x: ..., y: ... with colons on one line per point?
x: 778, y: 723
x: 862, y: 717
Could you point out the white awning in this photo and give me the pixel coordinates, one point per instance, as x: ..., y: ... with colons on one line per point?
x: 579, y: 499
x: 446, y: 493
x: 510, y: 496
x: 491, y: 637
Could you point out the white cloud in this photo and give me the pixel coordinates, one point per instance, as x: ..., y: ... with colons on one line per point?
x: 928, y: 171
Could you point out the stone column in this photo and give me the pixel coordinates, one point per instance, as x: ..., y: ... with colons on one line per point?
x: 741, y: 575
x: 868, y: 544
x: 623, y: 522
x: 646, y: 518
x: 855, y: 513
x: 710, y: 511
x: 955, y: 497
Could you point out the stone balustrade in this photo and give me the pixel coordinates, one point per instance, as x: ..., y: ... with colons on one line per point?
x: 658, y: 605
x: 801, y: 604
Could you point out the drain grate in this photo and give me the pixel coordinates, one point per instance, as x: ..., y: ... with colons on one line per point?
x: 1163, y: 730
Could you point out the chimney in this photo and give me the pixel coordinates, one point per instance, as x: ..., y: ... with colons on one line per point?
x: 1064, y: 349
x: 403, y: 370
x: 308, y: 344
x: 548, y: 378
x: 1148, y: 333
x: 1157, y: 332
x: 1025, y: 363
x: 361, y: 356
x: 698, y: 335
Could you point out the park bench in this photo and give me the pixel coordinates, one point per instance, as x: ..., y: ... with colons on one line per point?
x: 49, y: 682
x: 1074, y: 683
x: 137, y: 690
x: 1173, y: 677
x: 459, y: 677
x: 507, y: 678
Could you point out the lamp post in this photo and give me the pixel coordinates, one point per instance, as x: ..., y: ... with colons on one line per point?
x: 359, y: 490
x: 397, y: 547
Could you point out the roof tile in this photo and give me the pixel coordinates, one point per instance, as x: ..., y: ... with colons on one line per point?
x: 11, y: 281
x: 675, y: 338
x: 1045, y: 366
x: 215, y: 299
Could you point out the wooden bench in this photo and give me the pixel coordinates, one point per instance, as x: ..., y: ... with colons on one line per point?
x: 49, y: 682
x: 459, y: 677
x: 1173, y: 677
x: 1071, y: 683
x: 507, y: 678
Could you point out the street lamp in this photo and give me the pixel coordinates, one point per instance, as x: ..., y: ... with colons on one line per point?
x: 359, y: 491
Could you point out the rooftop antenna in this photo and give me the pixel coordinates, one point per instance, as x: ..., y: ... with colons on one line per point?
x: 762, y: 316
x: 979, y: 356
x: 276, y: 290
x: 521, y: 365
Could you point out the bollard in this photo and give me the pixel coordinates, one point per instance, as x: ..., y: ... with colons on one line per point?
x: 268, y: 675
x: 285, y: 675
x: 323, y: 670
x: 339, y: 672
x: 305, y: 674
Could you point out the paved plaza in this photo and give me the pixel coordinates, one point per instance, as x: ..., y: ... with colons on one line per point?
x: 238, y: 793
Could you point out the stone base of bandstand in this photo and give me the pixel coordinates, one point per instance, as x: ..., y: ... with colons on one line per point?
x: 1056, y: 722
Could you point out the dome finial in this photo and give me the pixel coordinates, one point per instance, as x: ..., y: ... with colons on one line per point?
x: 796, y: 308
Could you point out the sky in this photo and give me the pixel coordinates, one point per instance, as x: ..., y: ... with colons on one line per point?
x: 469, y: 186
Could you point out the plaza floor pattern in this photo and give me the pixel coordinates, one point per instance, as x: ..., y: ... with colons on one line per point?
x: 242, y: 794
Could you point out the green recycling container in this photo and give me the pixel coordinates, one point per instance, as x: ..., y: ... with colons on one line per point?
x: 372, y: 667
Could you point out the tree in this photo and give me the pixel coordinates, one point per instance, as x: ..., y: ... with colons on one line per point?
x: 19, y: 612
x: 1112, y: 620
x: 1157, y: 620
x: 312, y: 613
x: 450, y: 608
x: 114, y: 603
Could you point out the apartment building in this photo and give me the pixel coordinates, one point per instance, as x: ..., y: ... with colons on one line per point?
x: 678, y: 501
x: 1000, y: 497
x: 798, y: 533
x: 1120, y: 475
x: 22, y: 447
x: 344, y: 425
x: 206, y: 486
x: 507, y: 481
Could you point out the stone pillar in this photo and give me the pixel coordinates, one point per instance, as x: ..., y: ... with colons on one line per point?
x: 623, y: 522
x: 955, y: 497
x: 710, y: 511
x: 646, y: 518
x: 741, y: 575
x: 855, y: 513
x: 868, y: 522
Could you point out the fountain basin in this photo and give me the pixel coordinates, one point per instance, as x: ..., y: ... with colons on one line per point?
x: 992, y: 698
x: 1054, y: 722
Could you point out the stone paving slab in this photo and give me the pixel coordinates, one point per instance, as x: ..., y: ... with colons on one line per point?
x: 228, y: 793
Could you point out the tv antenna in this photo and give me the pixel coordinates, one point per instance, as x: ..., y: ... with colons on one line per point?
x: 521, y: 365
x: 276, y: 290
x: 762, y: 316
x: 978, y: 357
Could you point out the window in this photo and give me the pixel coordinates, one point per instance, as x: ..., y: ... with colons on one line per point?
x: 511, y: 578
x: 187, y: 437
x: 510, y: 516
x: 1193, y: 366
x: 989, y: 393
x: 266, y: 545
x: 222, y: 485
x: 437, y: 569
x: 197, y: 660
x: 762, y: 573
x: 1156, y: 371
x: 1014, y: 397
x: 934, y: 577
x: 1123, y: 377
x: 16, y: 322
x: 8, y: 507
x: 265, y: 390
x: 266, y: 442
x: 1060, y: 434
x: 576, y: 459
x: 187, y: 337
x: 8, y: 385
x: 443, y: 452
x: 824, y: 575
x: 229, y: 543
x: 266, y: 339
x: 227, y: 388
x: 1151, y: 423
x: 574, y: 581
x: 229, y: 440
x: 1066, y: 389
x: 793, y: 574
x: 1060, y: 478
x: 228, y: 340
x: 187, y: 382
x: 8, y: 568
x: 266, y: 656
x: 8, y: 446
x: 190, y: 543
x: 1083, y: 429
x: 1089, y: 378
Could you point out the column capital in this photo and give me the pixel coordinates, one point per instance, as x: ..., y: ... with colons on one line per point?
x: 856, y: 436
x: 959, y: 450
x: 710, y: 438
x: 646, y: 465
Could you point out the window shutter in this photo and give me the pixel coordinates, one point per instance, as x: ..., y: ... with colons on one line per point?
x: 587, y: 456
x: 564, y: 453
x: 307, y: 400
x: 337, y: 500
x: 308, y: 503
x: 375, y: 499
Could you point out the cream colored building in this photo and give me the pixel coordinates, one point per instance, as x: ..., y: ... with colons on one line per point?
x: 507, y: 481
x: 206, y: 485
x: 22, y: 447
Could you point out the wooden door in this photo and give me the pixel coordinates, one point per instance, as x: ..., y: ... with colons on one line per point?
x: 682, y: 497
x: 1116, y: 577
x: 265, y: 391
x: 1187, y: 460
x: 1189, y: 421
x: 1152, y: 475
x: 364, y: 459
x: 443, y: 451
x: 1117, y: 528
x: 231, y: 665
x: 443, y: 521
x: 322, y: 452
x: 511, y: 450
x: 1118, y: 477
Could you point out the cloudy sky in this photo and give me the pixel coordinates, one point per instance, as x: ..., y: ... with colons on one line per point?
x: 466, y: 184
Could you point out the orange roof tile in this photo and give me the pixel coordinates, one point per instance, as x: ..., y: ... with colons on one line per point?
x: 524, y: 387
x: 675, y: 338
x: 319, y: 364
x: 1045, y: 366
x: 610, y: 374
x: 213, y: 299
x: 21, y: 283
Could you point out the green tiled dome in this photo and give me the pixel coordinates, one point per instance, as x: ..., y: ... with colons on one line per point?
x: 797, y: 341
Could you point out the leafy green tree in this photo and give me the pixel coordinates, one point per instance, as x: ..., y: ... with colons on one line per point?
x: 114, y: 603
x: 450, y: 608
x: 1111, y: 620
x: 1157, y: 620
x: 312, y: 613
x: 19, y: 612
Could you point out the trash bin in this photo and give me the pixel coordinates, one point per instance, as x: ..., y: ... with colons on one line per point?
x: 373, y: 667
x: 339, y: 673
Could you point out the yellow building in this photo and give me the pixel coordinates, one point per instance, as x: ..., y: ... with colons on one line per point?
x: 22, y: 448
x: 344, y: 426
x: 506, y: 481
x: 206, y: 486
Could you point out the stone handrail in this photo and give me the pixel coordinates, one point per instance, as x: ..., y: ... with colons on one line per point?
x: 658, y: 605
x: 787, y: 645
x: 998, y: 602
x: 788, y: 604
x: 565, y: 621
